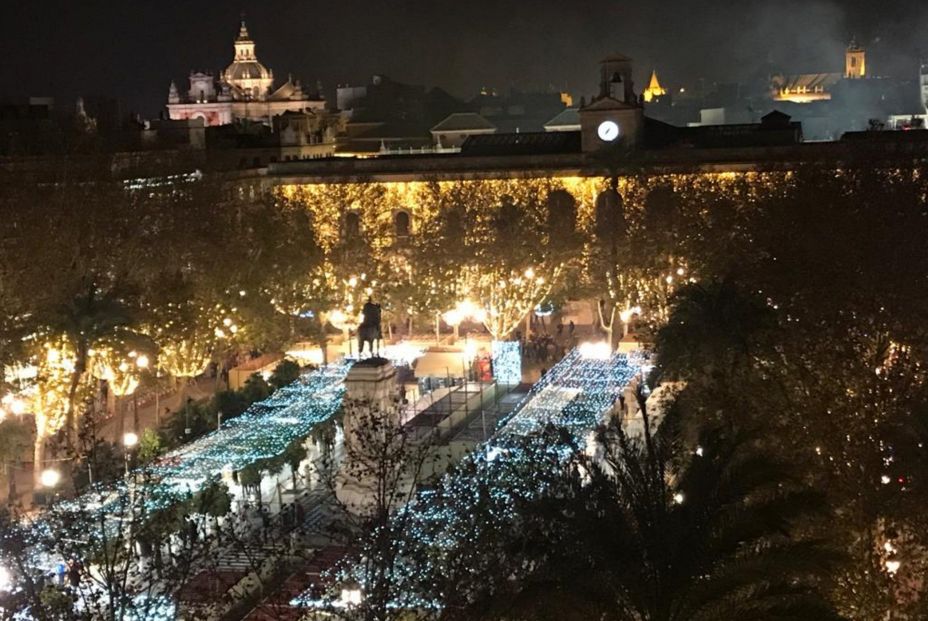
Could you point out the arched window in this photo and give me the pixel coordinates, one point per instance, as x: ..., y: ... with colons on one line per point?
x: 507, y: 219
x: 352, y: 226
x: 610, y: 216
x: 401, y: 224
x: 562, y: 212
x: 661, y: 209
x: 453, y: 224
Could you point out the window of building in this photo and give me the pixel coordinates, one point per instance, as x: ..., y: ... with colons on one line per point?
x: 661, y: 209
x: 352, y: 225
x: 562, y: 212
x: 401, y: 224
x: 507, y: 219
x: 609, y: 220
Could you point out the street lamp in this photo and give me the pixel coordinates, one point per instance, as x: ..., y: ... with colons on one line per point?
x: 49, y: 480
x: 129, y: 441
x: 463, y: 311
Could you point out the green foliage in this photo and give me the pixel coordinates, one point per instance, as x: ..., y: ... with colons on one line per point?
x: 198, y: 418
x: 714, y: 328
x: 653, y: 531
x: 284, y: 374
x: 202, y: 417
x: 149, y: 446
x: 256, y: 389
x: 295, y: 453
x: 214, y: 500
x: 103, y: 463
x: 231, y: 403
x: 250, y: 476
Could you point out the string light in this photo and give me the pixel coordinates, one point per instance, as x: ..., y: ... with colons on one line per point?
x: 507, y: 362
x: 574, y: 396
x: 262, y: 432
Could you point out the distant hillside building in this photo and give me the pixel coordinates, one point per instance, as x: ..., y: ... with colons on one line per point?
x: 243, y: 91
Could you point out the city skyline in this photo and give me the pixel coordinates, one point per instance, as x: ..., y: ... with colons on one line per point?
x: 458, y: 48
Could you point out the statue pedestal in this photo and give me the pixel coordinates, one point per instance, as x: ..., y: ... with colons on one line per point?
x: 370, y: 412
x: 372, y: 380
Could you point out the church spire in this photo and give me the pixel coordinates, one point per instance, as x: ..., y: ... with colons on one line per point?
x: 244, y: 46
x: 243, y: 31
x: 654, y: 89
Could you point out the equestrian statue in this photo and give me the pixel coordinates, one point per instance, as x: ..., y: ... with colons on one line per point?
x: 369, y: 331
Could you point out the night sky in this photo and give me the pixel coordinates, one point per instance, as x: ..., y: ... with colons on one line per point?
x: 132, y: 49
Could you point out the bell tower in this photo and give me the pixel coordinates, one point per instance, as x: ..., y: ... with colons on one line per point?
x: 615, y: 116
x: 615, y: 79
x: 855, y: 62
x: 244, y: 46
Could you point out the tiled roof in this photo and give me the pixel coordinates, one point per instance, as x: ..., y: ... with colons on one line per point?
x: 567, y: 117
x: 534, y: 143
x: 463, y: 121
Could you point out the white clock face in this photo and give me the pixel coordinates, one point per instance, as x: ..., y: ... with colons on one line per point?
x: 608, y: 131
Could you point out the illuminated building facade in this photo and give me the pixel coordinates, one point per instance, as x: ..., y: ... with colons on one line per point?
x: 811, y: 87
x: 243, y: 91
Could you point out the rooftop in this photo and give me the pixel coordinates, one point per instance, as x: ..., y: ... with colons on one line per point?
x: 569, y: 117
x: 464, y: 121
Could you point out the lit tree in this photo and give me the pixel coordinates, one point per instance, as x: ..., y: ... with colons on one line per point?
x: 50, y: 397
x: 121, y: 368
x: 506, y: 297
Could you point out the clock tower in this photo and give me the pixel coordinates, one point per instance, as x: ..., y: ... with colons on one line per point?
x: 615, y: 116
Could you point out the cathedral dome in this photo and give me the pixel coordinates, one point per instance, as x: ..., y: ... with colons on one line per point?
x: 247, y: 76
x: 246, y: 70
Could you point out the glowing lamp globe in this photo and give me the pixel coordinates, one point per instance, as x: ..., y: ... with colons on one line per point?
x: 50, y: 478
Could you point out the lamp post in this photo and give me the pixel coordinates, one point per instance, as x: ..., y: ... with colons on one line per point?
x: 49, y: 479
x: 129, y: 440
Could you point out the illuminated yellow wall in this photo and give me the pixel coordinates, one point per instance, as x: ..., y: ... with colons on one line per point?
x: 855, y: 63
x: 377, y: 202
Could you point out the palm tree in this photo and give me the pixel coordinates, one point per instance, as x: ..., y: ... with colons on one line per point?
x: 655, y: 531
x: 714, y: 329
